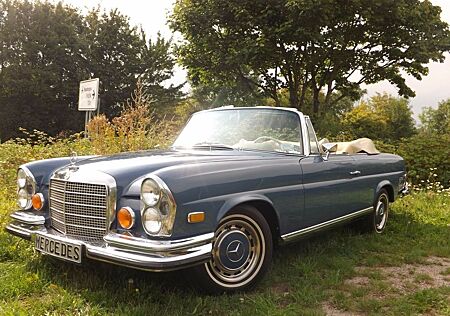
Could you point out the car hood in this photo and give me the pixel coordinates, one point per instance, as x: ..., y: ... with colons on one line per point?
x: 126, y: 168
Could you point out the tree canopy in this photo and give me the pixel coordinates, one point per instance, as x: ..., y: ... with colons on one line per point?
x: 437, y: 120
x: 329, y: 46
x: 46, y: 49
x: 382, y: 117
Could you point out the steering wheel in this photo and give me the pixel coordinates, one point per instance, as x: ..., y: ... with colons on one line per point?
x: 263, y: 139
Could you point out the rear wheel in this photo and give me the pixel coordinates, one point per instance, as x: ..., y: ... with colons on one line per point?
x: 242, y: 252
x: 376, y: 221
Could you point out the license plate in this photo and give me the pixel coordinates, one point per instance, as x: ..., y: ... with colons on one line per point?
x: 57, y: 248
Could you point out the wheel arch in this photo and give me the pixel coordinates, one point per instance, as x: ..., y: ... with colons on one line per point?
x: 387, y: 185
x: 262, y: 204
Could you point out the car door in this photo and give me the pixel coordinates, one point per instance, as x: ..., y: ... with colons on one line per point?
x: 329, y: 185
x: 329, y: 188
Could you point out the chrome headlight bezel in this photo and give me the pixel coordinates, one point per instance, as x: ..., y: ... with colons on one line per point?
x: 26, y: 186
x: 150, y: 192
x: 164, y: 205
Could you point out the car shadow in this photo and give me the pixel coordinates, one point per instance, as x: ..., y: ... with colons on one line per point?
x: 331, y: 245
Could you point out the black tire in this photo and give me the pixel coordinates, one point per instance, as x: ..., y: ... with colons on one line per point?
x: 376, y: 221
x: 241, y: 255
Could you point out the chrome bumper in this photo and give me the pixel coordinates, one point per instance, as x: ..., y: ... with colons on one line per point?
x: 134, y: 252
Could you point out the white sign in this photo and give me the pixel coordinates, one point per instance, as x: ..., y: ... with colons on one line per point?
x: 88, y: 97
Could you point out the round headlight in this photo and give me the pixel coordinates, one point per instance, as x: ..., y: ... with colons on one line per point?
x: 164, y: 206
x: 21, y: 178
x: 151, y: 220
x: 23, y: 199
x: 151, y: 192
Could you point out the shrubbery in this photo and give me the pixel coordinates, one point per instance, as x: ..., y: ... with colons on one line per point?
x: 135, y: 129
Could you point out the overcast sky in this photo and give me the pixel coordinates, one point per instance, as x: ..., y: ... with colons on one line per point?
x: 152, y: 15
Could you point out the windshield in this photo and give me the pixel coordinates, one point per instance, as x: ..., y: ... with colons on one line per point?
x: 243, y: 129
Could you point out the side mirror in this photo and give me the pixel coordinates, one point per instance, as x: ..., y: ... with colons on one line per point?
x: 328, y: 148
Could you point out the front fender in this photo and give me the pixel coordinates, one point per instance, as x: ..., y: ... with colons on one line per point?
x: 233, y: 202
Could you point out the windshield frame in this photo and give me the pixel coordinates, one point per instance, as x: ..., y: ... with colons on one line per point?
x: 301, y: 136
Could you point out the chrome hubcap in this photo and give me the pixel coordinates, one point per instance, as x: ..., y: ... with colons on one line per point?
x: 381, y: 212
x: 238, y: 251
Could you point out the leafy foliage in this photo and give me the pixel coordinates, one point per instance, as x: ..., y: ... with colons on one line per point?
x: 437, y: 120
x: 304, y: 45
x: 136, y: 128
x: 382, y: 117
x: 46, y: 49
x: 424, y: 152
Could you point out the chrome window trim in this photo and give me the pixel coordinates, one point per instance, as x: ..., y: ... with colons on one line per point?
x: 318, y: 227
x: 307, y: 118
x: 302, y: 136
x: 306, y: 149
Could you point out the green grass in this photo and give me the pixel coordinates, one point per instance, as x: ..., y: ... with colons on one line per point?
x: 304, y: 275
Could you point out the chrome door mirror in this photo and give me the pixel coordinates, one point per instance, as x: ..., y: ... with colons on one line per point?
x: 328, y: 148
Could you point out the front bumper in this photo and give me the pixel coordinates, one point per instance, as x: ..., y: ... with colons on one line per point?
x: 144, y: 254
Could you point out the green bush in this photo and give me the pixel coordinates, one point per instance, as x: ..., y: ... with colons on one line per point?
x: 426, y: 152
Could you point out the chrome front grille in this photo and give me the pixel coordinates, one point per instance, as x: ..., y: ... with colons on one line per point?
x: 78, y: 209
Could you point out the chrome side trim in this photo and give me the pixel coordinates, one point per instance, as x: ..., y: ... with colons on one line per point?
x: 28, y: 218
x: 299, y: 233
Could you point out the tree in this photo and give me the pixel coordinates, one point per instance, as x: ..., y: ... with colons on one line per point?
x: 382, y: 117
x: 328, y: 46
x: 41, y: 63
x: 119, y: 54
x: 46, y: 49
x: 436, y: 120
x: 397, y: 114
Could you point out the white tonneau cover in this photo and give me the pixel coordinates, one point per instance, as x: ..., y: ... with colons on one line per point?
x: 360, y: 145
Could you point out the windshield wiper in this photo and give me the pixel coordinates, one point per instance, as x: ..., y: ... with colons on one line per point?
x: 212, y: 146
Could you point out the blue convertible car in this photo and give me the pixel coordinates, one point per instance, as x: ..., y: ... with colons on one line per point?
x: 235, y: 182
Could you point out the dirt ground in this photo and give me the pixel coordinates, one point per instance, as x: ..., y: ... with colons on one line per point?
x: 433, y: 273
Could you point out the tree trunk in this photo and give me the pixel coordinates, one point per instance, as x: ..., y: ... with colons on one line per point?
x: 293, y: 97
x: 277, y: 100
x: 303, y: 95
x: 316, y: 103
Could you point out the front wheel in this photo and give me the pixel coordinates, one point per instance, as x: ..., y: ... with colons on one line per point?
x: 242, y: 252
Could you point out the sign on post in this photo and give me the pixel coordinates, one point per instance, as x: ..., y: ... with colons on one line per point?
x: 88, y: 97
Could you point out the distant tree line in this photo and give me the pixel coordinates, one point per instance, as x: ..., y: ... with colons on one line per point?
x: 46, y: 49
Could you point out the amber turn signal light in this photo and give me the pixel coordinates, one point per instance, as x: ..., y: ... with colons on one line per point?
x: 196, y: 217
x: 126, y: 217
x: 37, y: 200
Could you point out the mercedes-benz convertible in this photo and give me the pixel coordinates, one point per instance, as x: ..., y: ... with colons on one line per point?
x: 236, y: 182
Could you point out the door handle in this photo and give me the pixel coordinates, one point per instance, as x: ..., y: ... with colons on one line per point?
x: 355, y: 173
